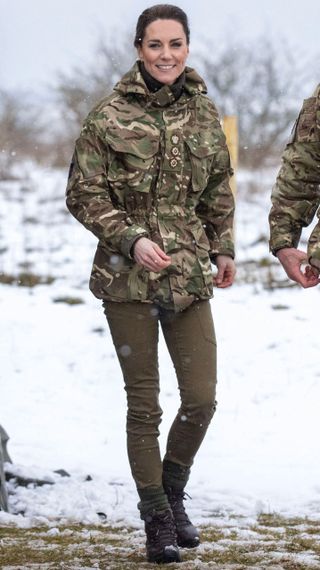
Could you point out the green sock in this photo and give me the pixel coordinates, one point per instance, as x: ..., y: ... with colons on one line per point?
x: 174, y: 475
x: 152, y: 499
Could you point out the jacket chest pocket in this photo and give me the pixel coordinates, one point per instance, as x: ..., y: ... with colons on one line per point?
x: 201, y: 150
x: 132, y: 164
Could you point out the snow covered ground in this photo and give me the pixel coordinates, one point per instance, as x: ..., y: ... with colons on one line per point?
x: 62, y: 398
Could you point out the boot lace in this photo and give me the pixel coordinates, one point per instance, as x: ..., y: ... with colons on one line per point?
x: 176, y: 499
x: 161, y: 529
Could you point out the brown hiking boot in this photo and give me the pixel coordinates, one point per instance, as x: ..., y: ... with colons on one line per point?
x: 187, y: 533
x: 161, y: 544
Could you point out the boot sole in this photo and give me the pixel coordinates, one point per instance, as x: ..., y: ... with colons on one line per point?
x: 169, y: 554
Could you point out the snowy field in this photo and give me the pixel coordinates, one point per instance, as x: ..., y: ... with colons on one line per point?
x: 62, y: 398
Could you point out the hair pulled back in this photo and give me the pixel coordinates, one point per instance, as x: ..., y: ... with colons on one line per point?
x: 160, y: 12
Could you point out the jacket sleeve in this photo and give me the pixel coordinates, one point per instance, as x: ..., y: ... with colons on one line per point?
x: 216, y: 206
x: 89, y: 199
x: 295, y: 196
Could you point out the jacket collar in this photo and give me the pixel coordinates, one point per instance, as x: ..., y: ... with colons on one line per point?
x: 154, y: 85
x: 133, y: 83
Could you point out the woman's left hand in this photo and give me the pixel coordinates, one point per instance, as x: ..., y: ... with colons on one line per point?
x: 226, y: 271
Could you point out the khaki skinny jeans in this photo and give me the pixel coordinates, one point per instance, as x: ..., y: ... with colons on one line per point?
x: 191, y: 341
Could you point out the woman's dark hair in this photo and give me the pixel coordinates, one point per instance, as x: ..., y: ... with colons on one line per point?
x: 160, y: 12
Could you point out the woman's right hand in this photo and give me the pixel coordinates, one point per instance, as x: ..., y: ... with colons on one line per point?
x: 150, y: 255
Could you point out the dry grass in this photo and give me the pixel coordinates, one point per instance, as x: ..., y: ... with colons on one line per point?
x: 272, y: 543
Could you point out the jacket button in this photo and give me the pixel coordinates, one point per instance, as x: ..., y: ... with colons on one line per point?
x: 173, y: 162
x: 175, y: 151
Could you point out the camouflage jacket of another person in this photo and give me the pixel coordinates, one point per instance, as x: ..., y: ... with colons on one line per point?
x: 296, y: 194
x: 146, y: 164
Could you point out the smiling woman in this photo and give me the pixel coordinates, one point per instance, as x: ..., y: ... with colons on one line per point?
x: 163, y: 46
x: 164, y: 50
x: 149, y: 178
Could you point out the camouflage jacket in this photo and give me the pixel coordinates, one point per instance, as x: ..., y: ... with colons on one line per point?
x: 296, y: 194
x: 146, y: 164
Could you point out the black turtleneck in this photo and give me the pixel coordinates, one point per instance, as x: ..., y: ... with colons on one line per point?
x: 154, y: 85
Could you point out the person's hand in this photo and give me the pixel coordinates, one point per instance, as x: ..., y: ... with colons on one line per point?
x: 148, y: 254
x: 226, y: 271
x: 292, y: 260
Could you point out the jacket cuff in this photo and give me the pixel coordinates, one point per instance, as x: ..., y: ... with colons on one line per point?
x: 228, y: 253
x: 132, y: 234
x: 275, y: 247
x: 314, y: 262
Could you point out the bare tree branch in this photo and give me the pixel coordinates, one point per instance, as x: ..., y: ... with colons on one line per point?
x: 260, y: 83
